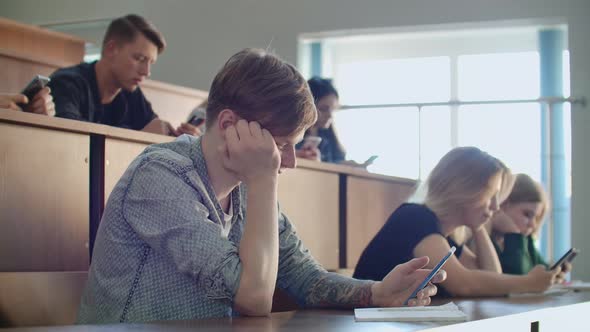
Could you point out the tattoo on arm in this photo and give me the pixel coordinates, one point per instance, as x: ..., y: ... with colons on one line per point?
x: 337, y: 291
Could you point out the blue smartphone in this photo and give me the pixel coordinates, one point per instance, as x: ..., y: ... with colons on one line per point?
x: 431, y: 274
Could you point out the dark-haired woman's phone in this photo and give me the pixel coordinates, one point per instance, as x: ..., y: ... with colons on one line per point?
x: 370, y: 160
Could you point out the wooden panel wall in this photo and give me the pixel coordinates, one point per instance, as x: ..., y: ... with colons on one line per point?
x: 44, y: 189
x: 172, y: 103
x: 28, y: 50
x: 40, y: 298
x: 369, y: 203
x: 310, y: 199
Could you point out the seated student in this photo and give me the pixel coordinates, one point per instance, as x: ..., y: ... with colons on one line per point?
x: 330, y: 148
x: 107, y: 91
x: 42, y: 103
x: 462, y: 190
x: 193, y: 229
x: 515, y: 226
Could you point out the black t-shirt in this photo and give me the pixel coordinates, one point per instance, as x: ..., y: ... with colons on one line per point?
x: 76, y: 96
x: 395, y: 242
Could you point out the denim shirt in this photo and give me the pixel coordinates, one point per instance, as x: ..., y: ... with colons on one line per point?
x: 160, y: 252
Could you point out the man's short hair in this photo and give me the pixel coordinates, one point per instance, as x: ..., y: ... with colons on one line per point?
x: 259, y: 86
x: 125, y: 29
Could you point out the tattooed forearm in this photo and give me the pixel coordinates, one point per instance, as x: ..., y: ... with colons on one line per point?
x: 337, y: 291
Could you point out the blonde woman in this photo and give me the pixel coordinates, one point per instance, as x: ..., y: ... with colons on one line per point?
x: 464, y: 189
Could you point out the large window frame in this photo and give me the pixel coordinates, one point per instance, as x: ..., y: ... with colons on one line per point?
x: 452, y: 43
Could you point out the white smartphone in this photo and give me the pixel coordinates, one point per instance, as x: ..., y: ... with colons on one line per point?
x: 370, y: 160
x: 311, y: 142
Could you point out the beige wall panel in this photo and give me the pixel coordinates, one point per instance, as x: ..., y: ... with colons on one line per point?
x: 17, y: 73
x: 172, y: 103
x: 40, y: 298
x: 44, y: 190
x: 310, y: 200
x: 369, y: 204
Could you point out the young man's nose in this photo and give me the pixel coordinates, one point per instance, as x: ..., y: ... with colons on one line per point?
x: 494, y: 206
x: 145, y: 70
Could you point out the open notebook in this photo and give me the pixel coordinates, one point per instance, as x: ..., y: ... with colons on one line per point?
x: 576, y: 286
x: 449, y: 312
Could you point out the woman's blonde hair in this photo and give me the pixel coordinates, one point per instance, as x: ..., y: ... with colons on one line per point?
x: 460, y: 179
x: 527, y: 190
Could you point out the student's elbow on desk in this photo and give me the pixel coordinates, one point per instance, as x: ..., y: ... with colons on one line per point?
x: 253, y: 302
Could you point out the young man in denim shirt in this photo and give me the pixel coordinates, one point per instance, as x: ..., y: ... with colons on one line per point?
x: 193, y: 229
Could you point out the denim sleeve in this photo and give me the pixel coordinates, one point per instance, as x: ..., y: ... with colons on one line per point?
x: 298, y: 270
x: 166, y: 212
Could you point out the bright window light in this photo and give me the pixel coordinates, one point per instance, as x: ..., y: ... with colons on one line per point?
x: 394, y: 81
x: 392, y: 134
x: 499, y: 76
x: 511, y: 133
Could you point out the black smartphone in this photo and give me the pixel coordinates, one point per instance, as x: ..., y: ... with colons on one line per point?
x: 37, y: 83
x: 197, y: 117
x: 567, y: 257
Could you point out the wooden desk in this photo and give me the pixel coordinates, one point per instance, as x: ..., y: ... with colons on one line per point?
x: 336, y: 209
x: 509, y: 314
x: 57, y: 175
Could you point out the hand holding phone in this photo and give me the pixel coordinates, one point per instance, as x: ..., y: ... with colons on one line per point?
x: 431, y: 274
x: 311, y: 142
x: 37, y: 83
x: 197, y: 117
x: 567, y: 257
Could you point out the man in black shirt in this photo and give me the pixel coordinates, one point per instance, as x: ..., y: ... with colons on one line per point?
x: 107, y: 91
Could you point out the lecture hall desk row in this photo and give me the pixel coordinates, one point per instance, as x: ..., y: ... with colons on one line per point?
x: 546, y: 313
x: 56, y: 174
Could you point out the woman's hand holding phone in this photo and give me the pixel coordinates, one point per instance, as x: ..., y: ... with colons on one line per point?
x: 310, y: 149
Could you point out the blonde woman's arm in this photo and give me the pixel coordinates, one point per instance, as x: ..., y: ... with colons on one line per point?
x: 462, y: 281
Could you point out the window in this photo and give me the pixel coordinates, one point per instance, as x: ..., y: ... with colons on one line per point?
x: 417, y: 95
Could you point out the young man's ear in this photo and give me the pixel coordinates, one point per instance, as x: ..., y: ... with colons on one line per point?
x: 225, y: 119
x: 110, y: 48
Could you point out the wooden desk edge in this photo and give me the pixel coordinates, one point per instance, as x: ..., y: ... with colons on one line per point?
x: 81, y: 127
x: 36, y: 120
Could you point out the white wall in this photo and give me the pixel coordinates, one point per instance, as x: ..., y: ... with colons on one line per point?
x: 202, y: 34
